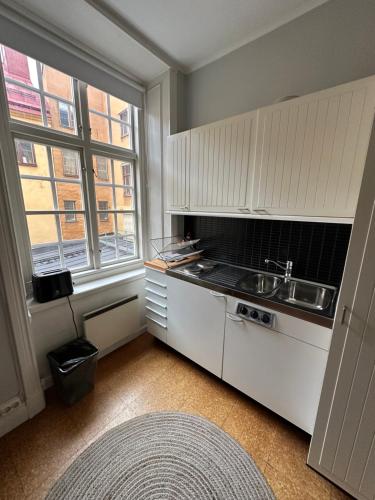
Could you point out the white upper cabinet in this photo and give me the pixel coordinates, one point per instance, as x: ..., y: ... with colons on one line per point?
x: 222, y: 164
x: 311, y: 152
x: 178, y: 171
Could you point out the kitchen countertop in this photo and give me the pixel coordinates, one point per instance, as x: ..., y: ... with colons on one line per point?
x: 223, y: 279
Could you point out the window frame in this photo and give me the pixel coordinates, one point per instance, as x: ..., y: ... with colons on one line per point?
x: 87, y: 148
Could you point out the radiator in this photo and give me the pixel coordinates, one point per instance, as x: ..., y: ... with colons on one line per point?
x: 110, y: 326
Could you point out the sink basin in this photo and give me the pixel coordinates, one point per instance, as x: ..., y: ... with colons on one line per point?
x: 307, y: 295
x: 259, y: 284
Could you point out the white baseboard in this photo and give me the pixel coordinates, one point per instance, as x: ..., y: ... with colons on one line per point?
x: 47, y: 382
x: 15, y: 417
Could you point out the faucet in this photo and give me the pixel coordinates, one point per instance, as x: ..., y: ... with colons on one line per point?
x: 288, y: 267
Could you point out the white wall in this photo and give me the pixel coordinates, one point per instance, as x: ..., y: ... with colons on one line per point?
x: 332, y: 44
x: 52, y: 326
x: 10, y: 385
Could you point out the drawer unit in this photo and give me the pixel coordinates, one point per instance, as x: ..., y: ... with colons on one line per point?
x: 156, y: 303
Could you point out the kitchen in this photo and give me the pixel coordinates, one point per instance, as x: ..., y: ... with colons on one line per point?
x: 267, y: 201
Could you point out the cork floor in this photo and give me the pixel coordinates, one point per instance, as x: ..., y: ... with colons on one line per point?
x: 146, y: 376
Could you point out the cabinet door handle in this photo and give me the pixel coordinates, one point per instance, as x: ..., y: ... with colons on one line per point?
x: 343, y: 315
x: 245, y: 210
x: 184, y: 208
x: 261, y: 210
x: 217, y: 294
x: 234, y: 318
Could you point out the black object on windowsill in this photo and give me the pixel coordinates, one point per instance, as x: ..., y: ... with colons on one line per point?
x: 52, y: 285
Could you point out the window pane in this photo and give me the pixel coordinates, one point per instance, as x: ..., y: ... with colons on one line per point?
x: 69, y: 192
x: 126, y: 235
x: 119, y: 109
x: 123, y: 173
x: 121, y: 135
x: 57, y: 83
x: 104, y: 194
x: 24, y: 104
x: 97, y: 100
x: 74, y: 242
x: 107, y: 240
x: 60, y: 116
x: 44, y: 242
x: 25, y: 150
x: 124, y: 198
x: 66, y: 163
x: 99, y: 128
x: 37, y: 194
x: 23, y: 77
x: 102, y: 169
x: 17, y: 66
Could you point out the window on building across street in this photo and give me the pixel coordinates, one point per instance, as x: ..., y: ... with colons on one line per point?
x: 103, y: 205
x: 55, y: 192
x: 70, y: 205
x: 25, y: 153
x: 102, y: 168
x: 127, y: 179
x: 70, y: 163
x: 66, y: 115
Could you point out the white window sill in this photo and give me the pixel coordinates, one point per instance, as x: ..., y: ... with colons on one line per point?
x: 89, y: 288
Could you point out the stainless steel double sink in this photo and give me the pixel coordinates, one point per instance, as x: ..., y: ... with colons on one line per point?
x: 290, y: 290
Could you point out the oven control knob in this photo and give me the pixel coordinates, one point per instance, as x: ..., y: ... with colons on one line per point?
x: 254, y: 314
x: 266, y: 319
x: 242, y: 309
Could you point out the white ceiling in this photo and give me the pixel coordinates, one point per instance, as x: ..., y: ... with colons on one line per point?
x: 188, y: 32
x: 195, y: 32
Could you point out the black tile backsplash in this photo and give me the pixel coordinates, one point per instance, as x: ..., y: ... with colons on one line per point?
x: 317, y: 249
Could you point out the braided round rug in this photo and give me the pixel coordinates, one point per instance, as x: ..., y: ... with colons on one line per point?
x: 163, y: 456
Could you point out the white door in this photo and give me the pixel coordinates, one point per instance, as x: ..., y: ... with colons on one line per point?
x: 222, y: 164
x: 196, y: 318
x: 178, y: 171
x: 277, y: 370
x: 311, y: 152
x: 343, y: 444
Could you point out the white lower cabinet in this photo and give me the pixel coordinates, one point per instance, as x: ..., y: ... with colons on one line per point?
x: 280, y: 371
x: 196, y: 319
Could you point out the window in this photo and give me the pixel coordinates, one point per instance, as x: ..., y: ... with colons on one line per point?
x: 124, y: 117
x: 38, y: 94
x: 103, y: 205
x: 70, y: 163
x: 25, y: 153
x: 109, y: 119
x: 102, y: 168
x: 62, y: 231
x: 70, y: 205
x: 127, y: 179
x: 66, y: 115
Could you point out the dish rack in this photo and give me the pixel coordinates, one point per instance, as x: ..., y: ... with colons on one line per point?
x: 174, y: 248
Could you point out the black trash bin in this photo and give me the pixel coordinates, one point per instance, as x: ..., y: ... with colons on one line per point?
x: 73, y: 368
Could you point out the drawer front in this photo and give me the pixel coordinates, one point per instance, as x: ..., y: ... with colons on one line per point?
x: 156, y: 276
x: 156, y: 328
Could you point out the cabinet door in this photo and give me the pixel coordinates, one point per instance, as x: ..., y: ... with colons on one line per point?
x: 311, y: 152
x: 222, y: 164
x: 178, y: 171
x: 196, y: 318
x: 278, y: 371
